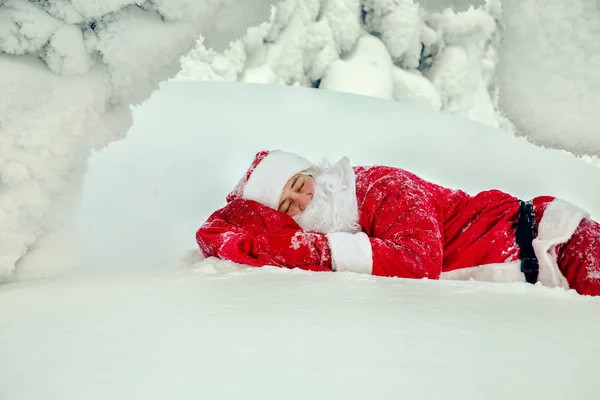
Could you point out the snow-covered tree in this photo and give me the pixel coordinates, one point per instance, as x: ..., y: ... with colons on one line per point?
x: 481, y: 62
x: 69, y: 71
x: 391, y: 49
x: 549, y: 72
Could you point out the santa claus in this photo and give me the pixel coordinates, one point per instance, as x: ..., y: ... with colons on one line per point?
x: 386, y: 221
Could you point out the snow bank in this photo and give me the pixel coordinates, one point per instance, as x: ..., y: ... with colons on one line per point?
x: 217, y: 332
x: 137, y: 321
x: 162, y: 200
x: 68, y: 74
x: 386, y: 49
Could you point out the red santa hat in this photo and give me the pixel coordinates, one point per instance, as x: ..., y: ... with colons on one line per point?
x: 267, y: 176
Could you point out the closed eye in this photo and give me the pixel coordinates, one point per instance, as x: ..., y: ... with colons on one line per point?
x: 282, y: 207
x: 294, y: 183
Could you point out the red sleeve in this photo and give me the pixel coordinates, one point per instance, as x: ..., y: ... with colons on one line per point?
x: 402, y: 230
x: 408, y: 242
x: 248, y: 232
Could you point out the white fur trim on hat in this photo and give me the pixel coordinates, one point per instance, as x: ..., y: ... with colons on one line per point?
x: 270, y: 176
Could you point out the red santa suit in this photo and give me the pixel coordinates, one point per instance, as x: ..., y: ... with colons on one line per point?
x: 406, y: 227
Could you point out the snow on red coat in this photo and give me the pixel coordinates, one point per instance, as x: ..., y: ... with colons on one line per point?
x: 411, y: 228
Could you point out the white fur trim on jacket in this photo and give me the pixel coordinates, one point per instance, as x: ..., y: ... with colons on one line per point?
x: 504, y: 272
x: 270, y: 176
x: 559, y: 222
x: 351, y: 252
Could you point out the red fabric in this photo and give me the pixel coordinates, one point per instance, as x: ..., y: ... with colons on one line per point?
x: 539, y: 206
x: 579, y: 259
x: 420, y: 229
x: 417, y: 229
x: 481, y: 230
x: 250, y: 233
x: 402, y: 215
x: 238, y: 191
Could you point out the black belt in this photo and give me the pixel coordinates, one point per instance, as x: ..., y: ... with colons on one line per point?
x: 525, y: 235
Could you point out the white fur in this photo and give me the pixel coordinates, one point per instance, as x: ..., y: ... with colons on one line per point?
x: 503, y: 272
x: 334, y: 207
x: 558, y: 224
x: 334, y: 211
x: 351, y: 252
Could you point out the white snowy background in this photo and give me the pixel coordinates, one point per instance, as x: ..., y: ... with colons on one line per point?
x: 128, y: 321
x: 527, y: 67
x: 144, y: 317
x: 69, y: 71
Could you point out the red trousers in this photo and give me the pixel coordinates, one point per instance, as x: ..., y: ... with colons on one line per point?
x: 579, y: 259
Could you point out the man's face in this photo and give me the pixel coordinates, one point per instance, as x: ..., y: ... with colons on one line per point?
x: 297, y: 193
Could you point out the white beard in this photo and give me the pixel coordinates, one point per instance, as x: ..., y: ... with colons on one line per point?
x: 333, y: 207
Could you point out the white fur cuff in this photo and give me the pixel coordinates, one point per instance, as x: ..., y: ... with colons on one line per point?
x: 351, y: 252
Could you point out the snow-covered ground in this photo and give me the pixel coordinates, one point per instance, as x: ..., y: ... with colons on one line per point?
x: 145, y: 317
x: 279, y: 334
x: 129, y: 310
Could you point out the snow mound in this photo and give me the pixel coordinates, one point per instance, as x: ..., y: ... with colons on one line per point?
x: 254, y: 333
x: 371, y: 61
x: 164, y: 199
x: 146, y: 316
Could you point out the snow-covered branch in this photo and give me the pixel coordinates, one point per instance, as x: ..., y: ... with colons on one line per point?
x: 69, y: 71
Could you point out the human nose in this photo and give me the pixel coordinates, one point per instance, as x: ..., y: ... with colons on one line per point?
x: 302, y: 200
